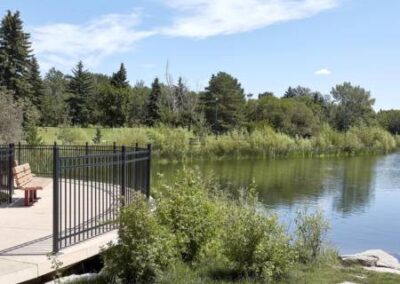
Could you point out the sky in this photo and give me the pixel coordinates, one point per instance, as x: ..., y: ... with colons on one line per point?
x: 268, y: 45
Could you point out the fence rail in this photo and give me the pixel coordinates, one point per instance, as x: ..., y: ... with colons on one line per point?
x: 91, y: 183
x: 6, y: 178
x: 89, y: 190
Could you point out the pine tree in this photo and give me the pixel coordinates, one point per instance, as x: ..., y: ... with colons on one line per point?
x: 224, y: 102
x: 36, y: 83
x: 81, y: 101
x: 15, y: 56
x: 119, y: 79
x: 153, y: 107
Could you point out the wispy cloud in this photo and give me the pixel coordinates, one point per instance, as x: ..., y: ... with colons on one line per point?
x: 323, y: 72
x: 205, y: 18
x: 63, y: 44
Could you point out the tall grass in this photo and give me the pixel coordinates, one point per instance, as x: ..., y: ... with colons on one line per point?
x: 173, y: 143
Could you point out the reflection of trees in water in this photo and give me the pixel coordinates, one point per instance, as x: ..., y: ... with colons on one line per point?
x: 354, y: 182
x: 289, y: 181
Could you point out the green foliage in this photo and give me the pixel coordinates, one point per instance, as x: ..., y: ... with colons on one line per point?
x: 390, y: 120
x: 97, y: 138
x: 310, y: 234
x: 54, y: 109
x: 32, y: 137
x: 81, y: 100
x: 223, y: 102
x: 289, y: 116
x: 119, y: 79
x: 187, y: 211
x: 111, y: 105
x: 145, y: 248
x: 15, y: 57
x: 255, y: 243
x: 153, y: 107
x: 354, y: 106
x: 10, y: 118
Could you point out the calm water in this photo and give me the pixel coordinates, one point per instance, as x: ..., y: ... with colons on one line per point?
x: 360, y: 196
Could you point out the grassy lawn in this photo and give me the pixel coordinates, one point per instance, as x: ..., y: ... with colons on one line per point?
x: 316, y: 274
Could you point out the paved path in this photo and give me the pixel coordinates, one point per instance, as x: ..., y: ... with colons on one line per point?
x: 25, y: 239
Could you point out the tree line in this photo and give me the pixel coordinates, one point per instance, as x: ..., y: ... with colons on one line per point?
x: 84, y: 98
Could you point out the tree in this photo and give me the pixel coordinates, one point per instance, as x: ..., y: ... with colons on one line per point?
x: 285, y: 115
x: 54, y: 109
x: 224, y: 102
x: 354, y: 106
x: 15, y: 57
x: 10, y: 118
x: 390, y: 120
x: 36, y: 83
x: 111, y: 105
x: 135, y: 109
x: 153, y: 106
x: 81, y: 101
x: 119, y: 79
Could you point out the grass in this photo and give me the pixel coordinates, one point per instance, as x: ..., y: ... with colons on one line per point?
x: 325, y: 271
x: 173, y: 143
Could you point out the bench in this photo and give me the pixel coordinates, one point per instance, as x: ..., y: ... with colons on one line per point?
x: 24, y: 180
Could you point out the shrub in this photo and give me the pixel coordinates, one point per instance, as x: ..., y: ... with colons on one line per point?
x: 145, y: 248
x: 187, y: 211
x: 256, y: 244
x: 310, y: 233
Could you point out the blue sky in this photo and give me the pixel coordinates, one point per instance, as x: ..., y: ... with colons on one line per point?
x: 267, y: 44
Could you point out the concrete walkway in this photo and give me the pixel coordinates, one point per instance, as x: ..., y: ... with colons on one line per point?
x: 25, y: 239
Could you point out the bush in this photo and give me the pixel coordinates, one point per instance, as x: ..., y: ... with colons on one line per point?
x: 256, y: 244
x: 310, y: 233
x: 145, y: 248
x: 187, y: 211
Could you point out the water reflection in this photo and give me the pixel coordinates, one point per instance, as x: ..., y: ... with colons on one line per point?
x: 359, y: 195
x: 289, y: 182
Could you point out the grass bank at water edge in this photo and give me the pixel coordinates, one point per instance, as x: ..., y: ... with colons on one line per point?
x: 179, y: 143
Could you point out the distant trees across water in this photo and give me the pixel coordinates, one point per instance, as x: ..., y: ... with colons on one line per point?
x: 84, y: 98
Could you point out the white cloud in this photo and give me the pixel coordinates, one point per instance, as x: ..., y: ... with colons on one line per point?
x: 205, y: 18
x: 323, y: 72
x: 62, y: 45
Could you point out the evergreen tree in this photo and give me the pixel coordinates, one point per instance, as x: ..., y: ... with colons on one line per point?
x: 15, y: 56
x: 36, y: 83
x: 119, y: 79
x: 81, y: 101
x: 224, y: 102
x: 153, y: 107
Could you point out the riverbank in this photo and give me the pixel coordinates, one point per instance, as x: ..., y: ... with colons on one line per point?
x: 180, y: 144
x: 328, y: 270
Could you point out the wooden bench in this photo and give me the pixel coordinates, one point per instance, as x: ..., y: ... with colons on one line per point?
x: 24, y: 180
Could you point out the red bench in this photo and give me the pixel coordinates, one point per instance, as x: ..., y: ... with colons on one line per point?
x: 24, y: 180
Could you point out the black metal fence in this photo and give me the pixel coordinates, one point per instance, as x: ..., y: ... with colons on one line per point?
x: 6, y: 178
x: 90, y: 184
x: 89, y: 190
x: 40, y: 157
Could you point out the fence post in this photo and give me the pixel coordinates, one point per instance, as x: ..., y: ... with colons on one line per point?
x: 10, y: 173
x: 148, y: 171
x: 56, y: 176
x: 19, y: 153
x: 123, y: 175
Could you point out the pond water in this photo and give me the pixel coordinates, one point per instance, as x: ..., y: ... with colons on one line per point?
x: 360, y: 196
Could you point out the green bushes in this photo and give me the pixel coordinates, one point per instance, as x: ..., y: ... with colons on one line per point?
x: 195, y: 224
x: 145, y: 247
x: 262, y: 142
x: 310, y: 233
x: 256, y: 245
x: 188, y: 213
